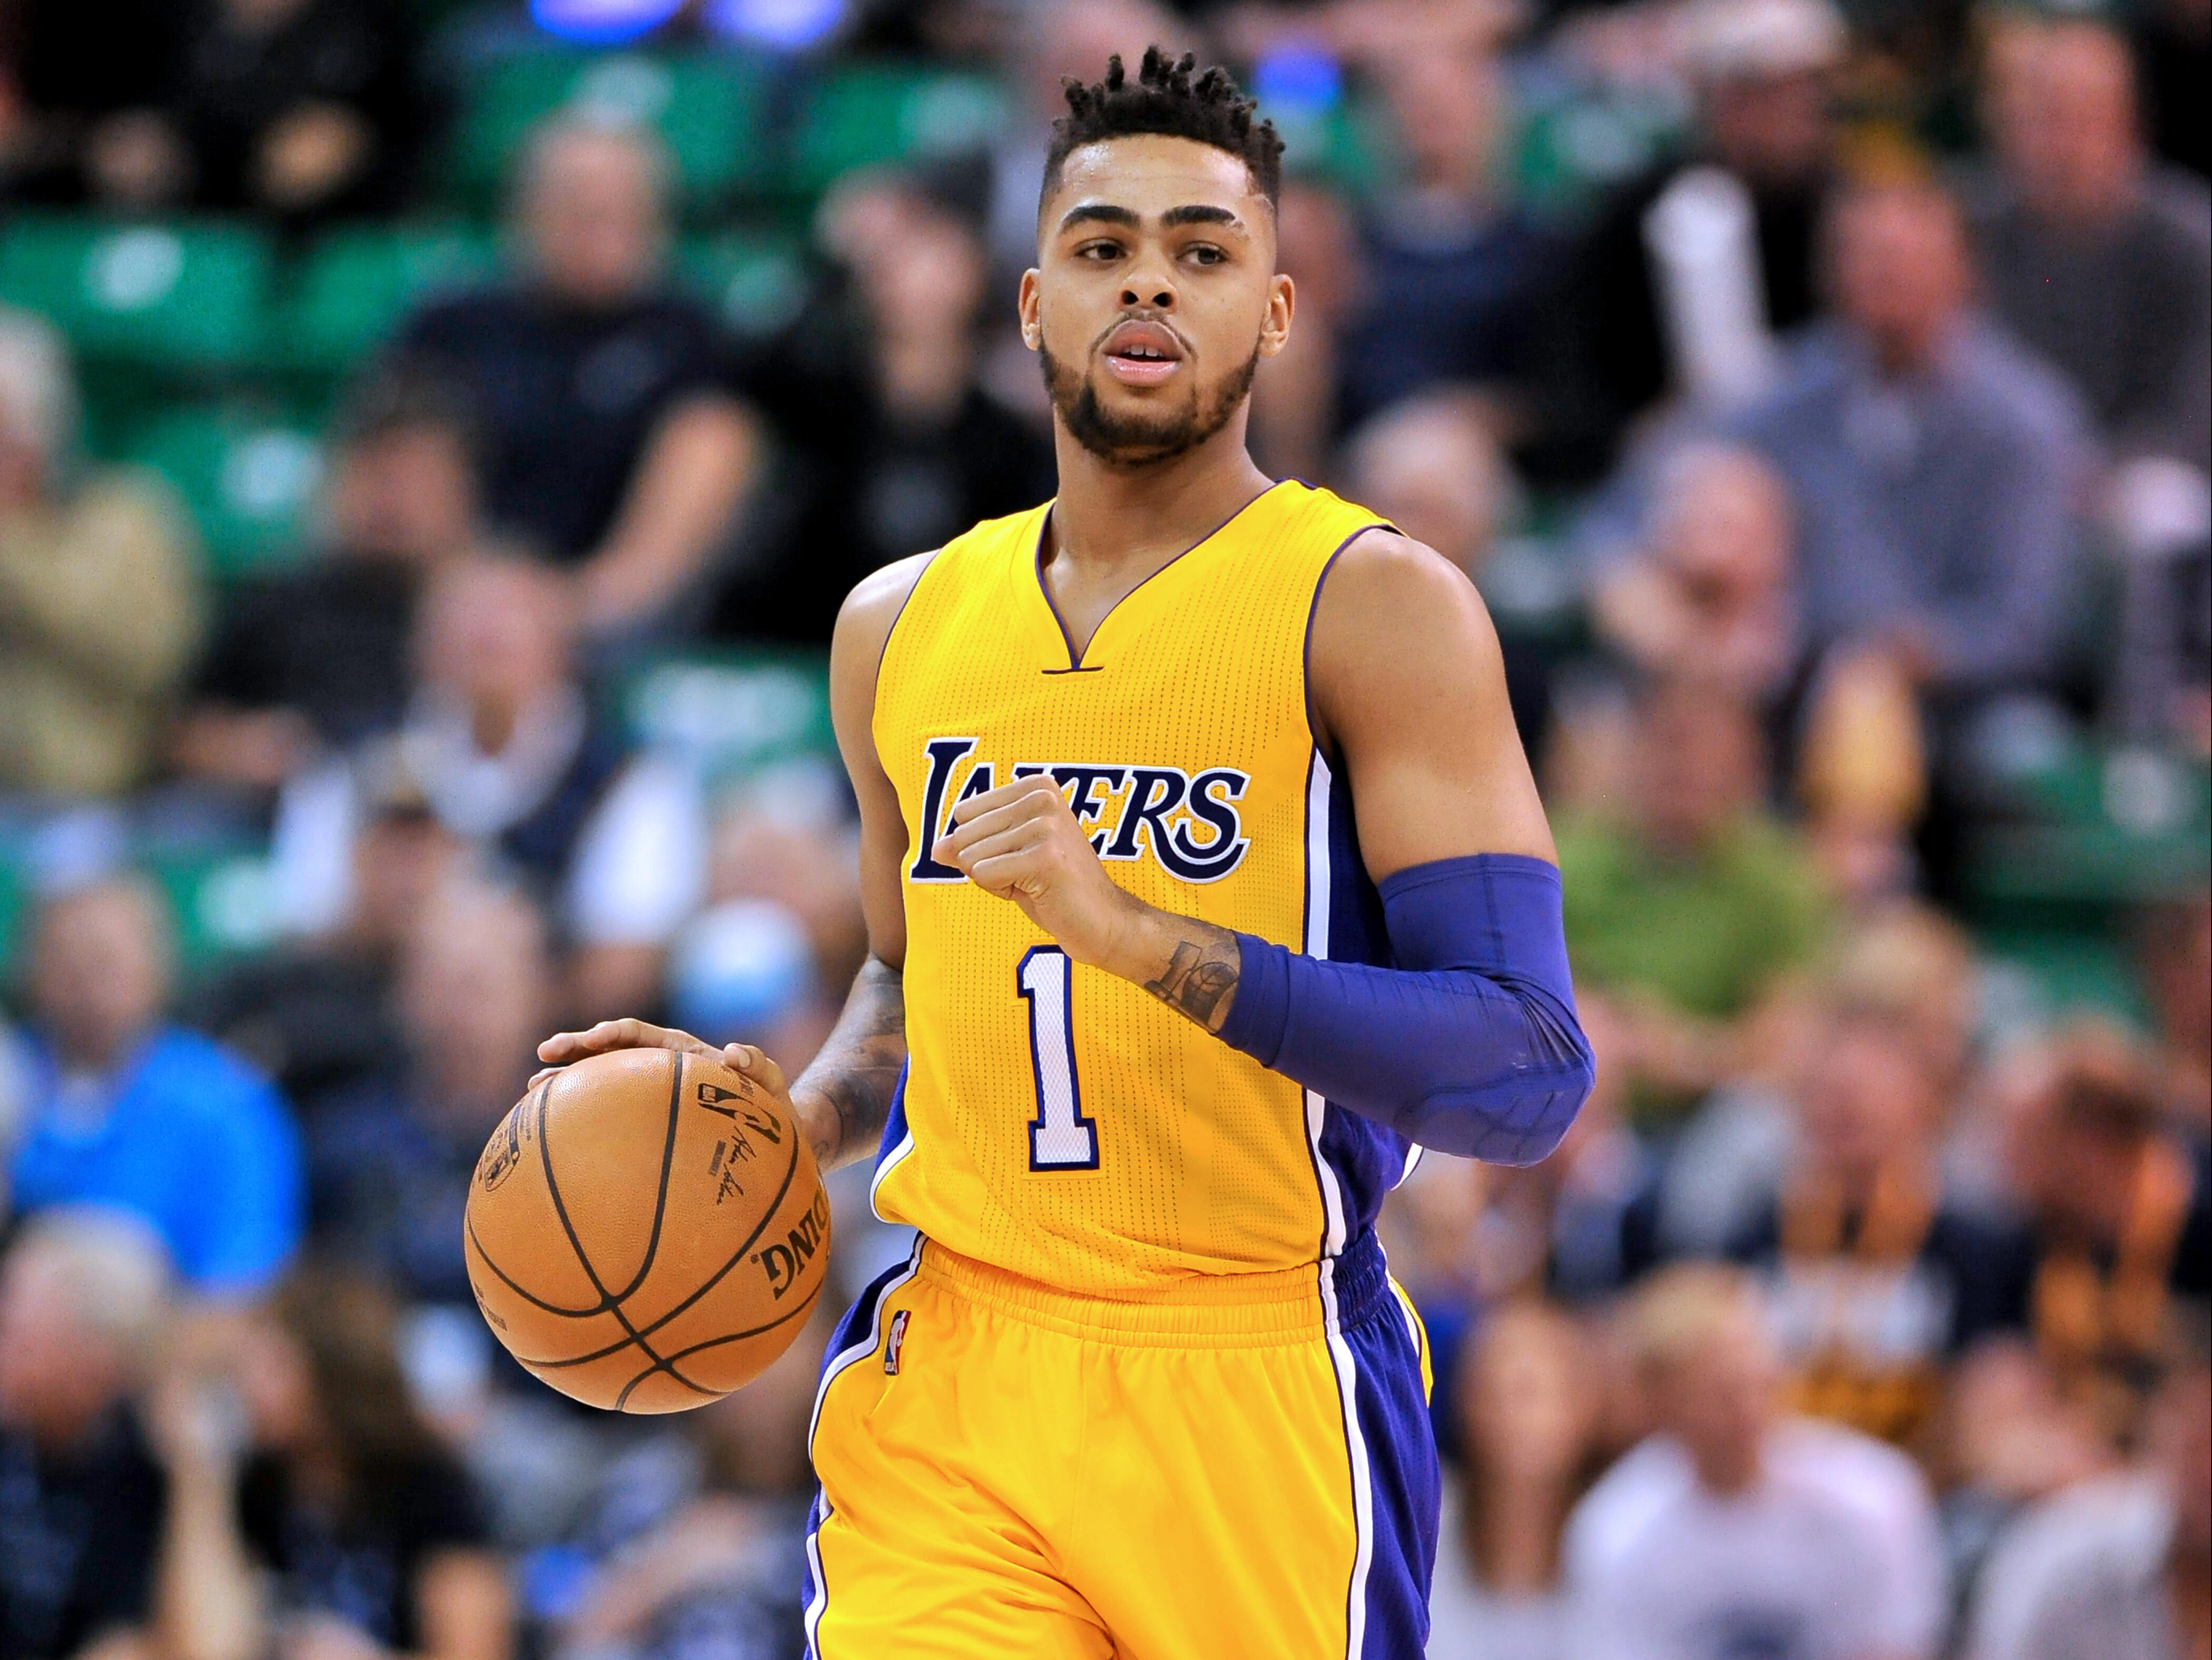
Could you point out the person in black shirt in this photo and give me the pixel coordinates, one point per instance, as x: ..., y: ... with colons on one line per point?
x: 370, y: 1534
x: 893, y: 445
x: 613, y: 443
x: 82, y: 1296
x: 315, y: 659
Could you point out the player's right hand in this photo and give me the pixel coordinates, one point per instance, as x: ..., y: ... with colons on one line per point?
x: 563, y: 1046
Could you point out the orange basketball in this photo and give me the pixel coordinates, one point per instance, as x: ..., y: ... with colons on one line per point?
x: 647, y: 1231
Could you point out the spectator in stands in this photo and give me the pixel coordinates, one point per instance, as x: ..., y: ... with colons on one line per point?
x: 1433, y: 468
x: 1933, y: 465
x: 1761, y: 70
x: 128, y: 1111
x: 315, y: 1012
x: 1453, y: 269
x: 82, y: 1301
x: 714, y: 1559
x: 1709, y: 588
x: 1688, y: 900
x: 70, y: 64
x: 1879, y: 1277
x: 2122, y: 1209
x: 391, y: 1159
x: 295, y: 108
x: 511, y: 757
x: 99, y: 605
x: 315, y: 659
x: 612, y: 442
x: 1735, y: 1531
x: 2121, y: 1568
x: 1529, y: 1403
x: 894, y: 446
x: 2098, y: 262
x: 370, y: 1538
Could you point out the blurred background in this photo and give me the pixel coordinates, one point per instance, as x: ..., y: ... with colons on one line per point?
x: 435, y: 436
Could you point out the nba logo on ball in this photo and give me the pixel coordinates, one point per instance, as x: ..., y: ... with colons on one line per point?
x: 620, y: 1221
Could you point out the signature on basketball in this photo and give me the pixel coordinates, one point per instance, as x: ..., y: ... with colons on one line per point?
x: 737, y: 1145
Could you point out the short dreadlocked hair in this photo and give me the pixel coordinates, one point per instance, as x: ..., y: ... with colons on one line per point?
x: 1166, y: 101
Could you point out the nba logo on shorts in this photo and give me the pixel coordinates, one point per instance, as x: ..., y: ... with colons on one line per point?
x: 898, y: 1342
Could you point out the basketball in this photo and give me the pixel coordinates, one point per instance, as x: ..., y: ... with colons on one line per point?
x: 647, y: 1231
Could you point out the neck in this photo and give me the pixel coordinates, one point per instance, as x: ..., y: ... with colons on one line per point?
x: 93, y: 1052
x: 921, y: 378
x: 1514, y: 1540
x: 1106, y: 516
x: 1728, y: 1475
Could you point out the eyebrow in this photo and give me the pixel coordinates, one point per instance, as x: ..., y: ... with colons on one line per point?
x: 1105, y: 212
x: 1109, y: 213
x: 1199, y: 214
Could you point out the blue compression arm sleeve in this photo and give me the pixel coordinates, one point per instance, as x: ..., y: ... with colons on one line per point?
x: 1471, y: 1047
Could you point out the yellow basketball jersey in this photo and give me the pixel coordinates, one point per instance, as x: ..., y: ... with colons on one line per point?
x: 1055, y: 1121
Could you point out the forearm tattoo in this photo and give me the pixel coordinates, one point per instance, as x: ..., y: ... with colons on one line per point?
x: 1201, y: 976
x: 856, y: 1072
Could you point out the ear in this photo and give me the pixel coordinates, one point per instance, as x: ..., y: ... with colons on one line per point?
x: 1028, y: 306
x: 1275, y: 327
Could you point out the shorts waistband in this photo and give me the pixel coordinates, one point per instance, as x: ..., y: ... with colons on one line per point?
x: 1213, y: 1311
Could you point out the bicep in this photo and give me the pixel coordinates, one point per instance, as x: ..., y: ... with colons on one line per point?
x: 1408, y: 686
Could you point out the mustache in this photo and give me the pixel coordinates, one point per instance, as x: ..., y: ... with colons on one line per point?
x: 1144, y: 314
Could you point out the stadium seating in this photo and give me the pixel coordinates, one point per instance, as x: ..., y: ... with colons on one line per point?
x: 182, y: 295
x: 872, y: 114
x: 708, y: 109
x: 355, y: 285
x: 249, y: 479
x: 756, y: 281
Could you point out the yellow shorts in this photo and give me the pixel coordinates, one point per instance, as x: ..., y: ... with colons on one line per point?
x: 1242, y: 1467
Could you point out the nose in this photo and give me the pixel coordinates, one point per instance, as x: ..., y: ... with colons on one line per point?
x: 1163, y: 297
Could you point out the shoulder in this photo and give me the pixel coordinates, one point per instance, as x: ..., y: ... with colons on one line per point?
x: 2114, y: 1528
x: 197, y: 1070
x: 1620, y: 1514
x: 2012, y: 388
x: 459, y: 322
x: 866, y: 619
x: 131, y: 501
x: 1878, y: 1485
x: 1382, y: 579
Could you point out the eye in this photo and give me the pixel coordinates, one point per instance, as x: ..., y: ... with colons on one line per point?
x: 1100, y: 251
x: 1205, y: 253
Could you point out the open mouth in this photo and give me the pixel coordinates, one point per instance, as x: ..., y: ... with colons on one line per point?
x: 1142, y: 354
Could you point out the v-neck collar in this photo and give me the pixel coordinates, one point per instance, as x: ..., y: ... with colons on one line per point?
x: 1075, y: 663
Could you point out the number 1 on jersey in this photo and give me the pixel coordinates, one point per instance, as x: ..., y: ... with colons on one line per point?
x: 1060, y: 1137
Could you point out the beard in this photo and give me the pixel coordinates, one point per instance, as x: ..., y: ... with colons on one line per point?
x: 1138, y: 441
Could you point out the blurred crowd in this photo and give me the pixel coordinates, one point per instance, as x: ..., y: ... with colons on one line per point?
x: 1833, y: 456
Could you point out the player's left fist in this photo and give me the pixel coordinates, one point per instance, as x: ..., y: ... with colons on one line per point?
x: 1021, y: 841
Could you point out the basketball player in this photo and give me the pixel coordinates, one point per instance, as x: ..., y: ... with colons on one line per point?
x: 1205, y: 884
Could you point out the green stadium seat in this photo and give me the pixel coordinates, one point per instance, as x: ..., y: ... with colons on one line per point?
x: 873, y: 115
x: 757, y: 282
x: 355, y: 285
x: 735, y: 713
x: 226, y: 900
x: 708, y: 109
x: 187, y: 294
x: 249, y: 482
